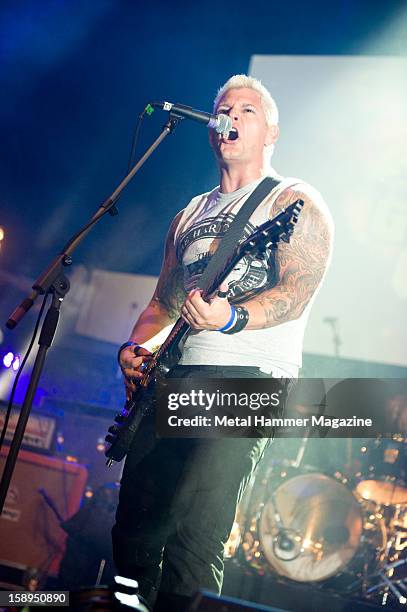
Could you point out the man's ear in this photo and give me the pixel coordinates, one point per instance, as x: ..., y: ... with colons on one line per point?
x: 273, y: 132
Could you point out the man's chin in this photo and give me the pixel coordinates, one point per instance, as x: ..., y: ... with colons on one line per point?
x: 229, y: 153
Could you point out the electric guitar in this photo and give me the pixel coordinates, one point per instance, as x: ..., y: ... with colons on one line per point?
x: 121, y: 434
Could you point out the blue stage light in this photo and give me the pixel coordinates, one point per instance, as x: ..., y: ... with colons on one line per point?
x: 16, y: 363
x: 8, y: 359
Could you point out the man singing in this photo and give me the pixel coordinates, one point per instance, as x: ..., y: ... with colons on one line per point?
x: 178, y: 496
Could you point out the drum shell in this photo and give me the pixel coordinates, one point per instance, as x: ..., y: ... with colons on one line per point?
x: 355, y: 521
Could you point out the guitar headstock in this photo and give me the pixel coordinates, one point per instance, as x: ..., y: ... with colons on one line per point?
x: 269, y: 234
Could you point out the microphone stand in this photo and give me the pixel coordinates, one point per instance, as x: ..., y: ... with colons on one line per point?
x: 54, y: 281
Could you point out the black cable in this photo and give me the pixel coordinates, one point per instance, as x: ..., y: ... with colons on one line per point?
x: 148, y: 110
x: 135, y: 138
x: 20, y: 369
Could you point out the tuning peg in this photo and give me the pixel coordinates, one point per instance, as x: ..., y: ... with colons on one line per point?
x: 120, y: 417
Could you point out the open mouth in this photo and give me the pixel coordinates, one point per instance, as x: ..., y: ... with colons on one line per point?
x: 230, y: 136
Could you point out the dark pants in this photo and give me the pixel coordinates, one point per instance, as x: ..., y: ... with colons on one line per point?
x: 178, y: 501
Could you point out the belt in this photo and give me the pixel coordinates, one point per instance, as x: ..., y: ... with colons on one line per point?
x: 215, y: 368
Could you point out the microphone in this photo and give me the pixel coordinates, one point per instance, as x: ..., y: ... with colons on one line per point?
x: 285, y: 542
x: 221, y: 123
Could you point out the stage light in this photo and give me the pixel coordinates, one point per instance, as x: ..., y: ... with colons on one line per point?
x: 8, y: 359
x: 71, y: 459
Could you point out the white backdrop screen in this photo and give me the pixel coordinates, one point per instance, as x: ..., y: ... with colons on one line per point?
x: 343, y: 122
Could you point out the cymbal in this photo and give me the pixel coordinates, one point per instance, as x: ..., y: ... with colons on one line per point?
x: 382, y: 491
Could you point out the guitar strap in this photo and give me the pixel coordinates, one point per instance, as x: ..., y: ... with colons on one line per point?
x: 235, y: 231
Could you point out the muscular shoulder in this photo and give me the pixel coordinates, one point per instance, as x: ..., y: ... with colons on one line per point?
x: 315, y: 208
x: 308, y: 253
x: 313, y: 201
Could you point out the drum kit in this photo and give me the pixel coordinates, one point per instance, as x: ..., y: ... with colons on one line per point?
x: 345, y: 531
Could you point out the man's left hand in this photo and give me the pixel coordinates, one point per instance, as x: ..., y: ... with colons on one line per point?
x: 212, y: 315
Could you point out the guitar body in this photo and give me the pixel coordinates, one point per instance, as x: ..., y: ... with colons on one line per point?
x: 121, y: 434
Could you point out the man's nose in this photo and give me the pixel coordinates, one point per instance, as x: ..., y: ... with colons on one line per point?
x: 234, y: 114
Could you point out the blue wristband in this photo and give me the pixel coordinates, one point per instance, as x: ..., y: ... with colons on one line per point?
x: 231, y: 321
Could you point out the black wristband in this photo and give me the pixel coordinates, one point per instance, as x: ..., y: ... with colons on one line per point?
x: 242, y: 320
x: 125, y: 345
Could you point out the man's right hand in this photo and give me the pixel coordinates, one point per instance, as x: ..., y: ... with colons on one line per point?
x: 131, y: 363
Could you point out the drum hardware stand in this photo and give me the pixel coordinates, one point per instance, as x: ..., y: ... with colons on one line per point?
x: 391, y: 584
x: 100, y: 572
x: 336, y: 340
x: 385, y: 576
x: 300, y: 454
x: 285, y: 537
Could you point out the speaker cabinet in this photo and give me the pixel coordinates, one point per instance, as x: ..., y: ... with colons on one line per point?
x: 30, y: 533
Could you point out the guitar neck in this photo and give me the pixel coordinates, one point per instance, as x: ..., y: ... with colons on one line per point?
x: 270, y: 233
x: 174, y: 337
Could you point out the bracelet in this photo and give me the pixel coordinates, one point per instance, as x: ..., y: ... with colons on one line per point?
x: 125, y: 345
x: 242, y: 319
x: 231, y: 321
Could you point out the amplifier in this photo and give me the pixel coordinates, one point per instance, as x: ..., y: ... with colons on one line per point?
x: 39, y: 433
x: 30, y: 533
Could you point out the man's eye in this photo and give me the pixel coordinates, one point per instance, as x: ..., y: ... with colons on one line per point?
x: 249, y: 110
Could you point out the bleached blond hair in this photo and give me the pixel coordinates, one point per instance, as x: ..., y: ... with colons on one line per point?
x: 239, y: 81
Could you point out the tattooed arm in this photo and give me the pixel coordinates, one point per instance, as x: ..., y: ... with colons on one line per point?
x: 165, y: 305
x: 300, y: 267
x: 163, y: 310
x: 300, y: 264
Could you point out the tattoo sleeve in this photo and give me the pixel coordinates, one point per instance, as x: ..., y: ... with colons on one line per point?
x: 300, y: 265
x: 170, y: 293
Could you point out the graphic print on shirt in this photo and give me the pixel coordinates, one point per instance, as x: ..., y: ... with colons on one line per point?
x: 196, y: 245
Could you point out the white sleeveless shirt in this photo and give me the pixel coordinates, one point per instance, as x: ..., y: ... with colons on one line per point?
x: 276, y: 350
